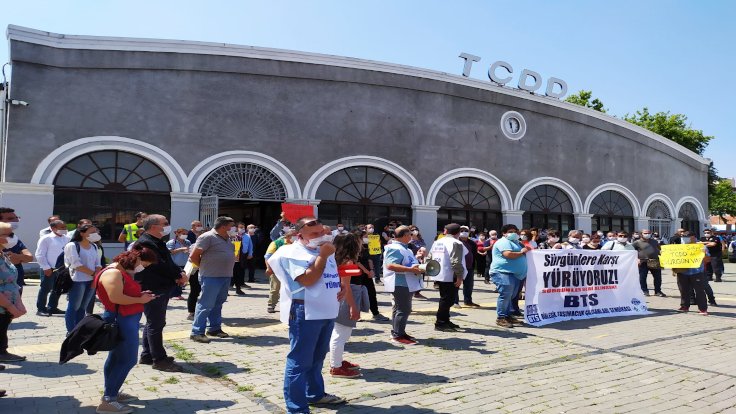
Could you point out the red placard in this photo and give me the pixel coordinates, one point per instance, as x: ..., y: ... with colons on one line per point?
x: 294, y: 212
x: 349, y: 270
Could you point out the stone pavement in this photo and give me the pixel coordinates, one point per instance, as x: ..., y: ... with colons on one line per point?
x: 664, y: 362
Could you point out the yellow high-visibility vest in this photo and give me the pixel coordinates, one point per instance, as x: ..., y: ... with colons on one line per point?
x: 130, y: 232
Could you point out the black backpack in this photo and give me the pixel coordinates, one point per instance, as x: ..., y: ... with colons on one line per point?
x: 64, y: 281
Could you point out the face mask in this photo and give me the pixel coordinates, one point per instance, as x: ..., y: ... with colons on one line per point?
x: 586, y: 240
x: 464, y: 234
x: 482, y: 238
x: 14, y: 225
x: 251, y: 231
x: 340, y: 228
x: 139, y: 268
x: 61, y: 232
x: 525, y: 237
x: 369, y: 230
x: 166, y: 230
x: 553, y: 240
x: 391, y: 229
x: 365, y: 240
x: 241, y: 231
x: 573, y: 240
x: 472, y: 229
x: 293, y: 239
x: 316, y: 242
x: 635, y: 237
x: 182, y: 237
x: 685, y: 240
x: 512, y: 236
x: 647, y: 236
x: 494, y: 237
x: 600, y: 235
x: 94, y: 237
x: 12, y: 241
x: 707, y: 234
x: 621, y: 239
x: 285, y: 229
x: 415, y: 233
x: 232, y: 232
x: 198, y: 228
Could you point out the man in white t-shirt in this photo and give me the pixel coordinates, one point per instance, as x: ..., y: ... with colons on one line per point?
x: 310, y: 294
x: 48, y: 250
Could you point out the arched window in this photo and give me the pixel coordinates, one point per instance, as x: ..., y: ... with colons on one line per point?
x: 469, y: 201
x: 548, y: 207
x: 358, y: 195
x: 689, y: 215
x: 660, y: 219
x: 612, y: 212
x: 109, y: 187
x: 243, y: 181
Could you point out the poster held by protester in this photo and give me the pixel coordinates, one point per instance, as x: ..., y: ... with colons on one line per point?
x: 374, y: 244
x: 582, y: 284
x: 681, y: 256
x: 294, y: 212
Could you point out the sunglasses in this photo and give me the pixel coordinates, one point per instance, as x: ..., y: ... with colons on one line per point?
x: 309, y: 224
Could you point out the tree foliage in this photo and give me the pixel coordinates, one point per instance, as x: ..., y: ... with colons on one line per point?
x: 583, y: 98
x: 722, y: 200
x: 672, y: 126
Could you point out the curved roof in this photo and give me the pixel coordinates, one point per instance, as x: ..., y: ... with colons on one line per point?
x: 62, y: 41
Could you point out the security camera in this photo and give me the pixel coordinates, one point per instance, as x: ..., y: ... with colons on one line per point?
x: 18, y: 102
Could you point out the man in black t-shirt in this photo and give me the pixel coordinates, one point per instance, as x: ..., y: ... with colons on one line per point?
x: 715, y: 249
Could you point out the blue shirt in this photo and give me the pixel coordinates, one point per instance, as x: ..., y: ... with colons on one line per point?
x: 8, y: 282
x: 501, y: 264
x: 18, y: 249
x: 395, y: 257
x: 696, y: 270
x: 247, y: 246
x: 180, y: 259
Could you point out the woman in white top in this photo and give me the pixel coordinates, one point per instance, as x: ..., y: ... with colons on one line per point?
x: 80, y: 256
x: 621, y: 243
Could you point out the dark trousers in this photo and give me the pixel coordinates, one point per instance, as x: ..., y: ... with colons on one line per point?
x: 153, y: 338
x: 687, y: 284
x: 238, y: 275
x: 401, y: 310
x: 377, y: 260
x: 468, y: 283
x: 46, y: 292
x: 91, y: 304
x: 656, y: 273
x: 447, y: 298
x: 250, y: 264
x: 5, y: 319
x: 517, y: 296
x: 194, y: 290
x: 714, y: 266
x: 487, y: 271
x: 372, y: 299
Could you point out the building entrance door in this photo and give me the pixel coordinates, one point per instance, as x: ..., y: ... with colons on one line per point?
x: 263, y: 214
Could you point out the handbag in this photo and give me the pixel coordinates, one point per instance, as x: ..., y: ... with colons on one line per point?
x: 653, y: 264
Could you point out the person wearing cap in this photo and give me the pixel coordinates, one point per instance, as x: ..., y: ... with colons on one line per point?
x: 310, y: 301
x: 450, y: 253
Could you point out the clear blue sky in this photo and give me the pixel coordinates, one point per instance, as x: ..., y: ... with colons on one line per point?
x: 665, y: 54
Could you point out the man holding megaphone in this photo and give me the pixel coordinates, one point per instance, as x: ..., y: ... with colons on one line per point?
x: 450, y: 253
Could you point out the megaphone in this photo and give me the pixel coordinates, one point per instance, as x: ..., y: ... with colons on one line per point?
x: 430, y: 267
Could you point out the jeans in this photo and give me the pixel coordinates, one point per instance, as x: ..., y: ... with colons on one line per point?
x: 46, y: 291
x: 508, y: 286
x: 153, y: 337
x: 123, y: 357
x: 468, y: 287
x: 377, y: 266
x: 401, y: 310
x: 209, y: 307
x: 656, y: 273
x: 194, y: 290
x: 517, y: 296
x: 714, y: 266
x: 79, y: 297
x: 310, y: 341
x: 447, y: 298
x: 5, y: 319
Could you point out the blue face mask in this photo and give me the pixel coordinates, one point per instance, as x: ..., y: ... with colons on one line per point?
x: 512, y: 236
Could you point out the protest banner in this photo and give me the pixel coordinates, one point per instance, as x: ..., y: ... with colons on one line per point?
x: 237, y: 245
x: 681, y: 256
x: 581, y: 284
x: 294, y: 212
x: 374, y: 244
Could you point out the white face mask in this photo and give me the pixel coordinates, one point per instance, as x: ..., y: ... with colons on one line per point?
x: 464, y: 234
x: 294, y: 239
x: 365, y: 240
x: 369, y: 230
x: 233, y: 231
x: 524, y: 237
x: 241, y: 231
x: 166, y: 230
x: 621, y: 239
x: 251, y: 231
x: 316, y: 242
x: 12, y: 241
x: 139, y: 268
x: 61, y: 232
x: 182, y: 237
x: 647, y: 236
x: 14, y: 225
x: 340, y: 228
x: 573, y: 240
x: 198, y: 228
x: 684, y: 240
x: 586, y: 240
x: 553, y: 240
x: 512, y: 236
x: 94, y: 237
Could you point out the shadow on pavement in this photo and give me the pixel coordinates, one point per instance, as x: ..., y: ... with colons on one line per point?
x: 457, y: 344
x: 26, y: 325
x: 51, y: 369
x: 365, y: 331
x: 402, y: 409
x: 61, y: 404
x: 366, y: 347
x: 501, y: 333
x: 262, y: 340
x: 245, y: 322
x: 589, y: 323
x: 216, y: 369
x: 179, y: 405
x: 393, y: 376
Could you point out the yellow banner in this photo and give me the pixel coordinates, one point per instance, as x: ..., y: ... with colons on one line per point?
x: 374, y: 244
x: 237, y: 245
x: 681, y: 256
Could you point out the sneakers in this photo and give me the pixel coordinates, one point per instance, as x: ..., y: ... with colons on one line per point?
x: 190, y: 317
x: 702, y: 312
x: 646, y: 293
x: 147, y: 360
x: 343, y: 372
x: 683, y: 309
x: 454, y: 325
x: 457, y: 306
x: 167, y: 366
x: 239, y: 292
x: 471, y: 305
x: 380, y: 318
x: 6, y: 357
x: 246, y: 286
x: 504, y: 323
x: 271, y: 309
x: 350, y: 365
x: 419, y: 295
x: 42, y: 313
x: 126, y: 398
x: 56, y: 311
x: 514, y: 321
x: 444, y: 327
x: 487, y: 282
x: 403, y: 340
x: 329, y: 399
x: 712, y: 303
x: 113, y: 407
x: 200, y: 338
x: 218, y: 334
x: 660, y: 294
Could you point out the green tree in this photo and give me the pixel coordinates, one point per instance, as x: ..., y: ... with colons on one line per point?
x: 582, y: 98
x: 672, y: 126
x: 722, y: 200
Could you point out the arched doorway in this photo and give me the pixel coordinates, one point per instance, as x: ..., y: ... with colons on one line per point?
x: 660, y: 219
x: 359, y: 195
x: 690, y: 221
x: 109, y: 187
x: 470, y: 201
x: 548, y: 207
x: 612, y: 211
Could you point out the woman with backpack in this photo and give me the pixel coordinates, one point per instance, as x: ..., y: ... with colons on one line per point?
x: 83, y: 261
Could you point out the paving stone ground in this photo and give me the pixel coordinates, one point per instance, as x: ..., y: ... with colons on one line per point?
x: 664, y: 362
